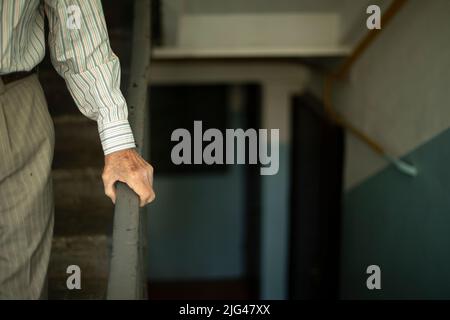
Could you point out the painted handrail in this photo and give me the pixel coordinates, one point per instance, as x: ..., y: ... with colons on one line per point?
x: 127, y: 266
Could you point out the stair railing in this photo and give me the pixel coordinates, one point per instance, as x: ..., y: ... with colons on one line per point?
x: 127, y: 277
x: 342, y: 73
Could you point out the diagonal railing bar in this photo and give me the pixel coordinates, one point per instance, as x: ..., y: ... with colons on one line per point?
x: 127, y: 266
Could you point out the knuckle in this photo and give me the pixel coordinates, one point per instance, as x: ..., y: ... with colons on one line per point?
x: 147, y: 195
x: 143, y: 172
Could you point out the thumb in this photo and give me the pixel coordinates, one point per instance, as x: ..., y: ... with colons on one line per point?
x: 110, y: 189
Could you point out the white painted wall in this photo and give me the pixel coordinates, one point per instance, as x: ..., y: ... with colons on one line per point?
x: 350, y: 13
x: 398, y: 92
x: 269, y: 30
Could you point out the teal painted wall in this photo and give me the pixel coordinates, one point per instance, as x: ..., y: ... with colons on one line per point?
x: 196, y: 228
x: 274, y: 229
x: 401, y: 224
x: 398, y: 94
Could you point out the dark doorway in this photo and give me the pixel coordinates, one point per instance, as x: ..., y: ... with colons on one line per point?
x: 317, y: 160
x: 178, y: 106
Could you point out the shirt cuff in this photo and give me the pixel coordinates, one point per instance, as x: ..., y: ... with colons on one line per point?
x: 116, y: 136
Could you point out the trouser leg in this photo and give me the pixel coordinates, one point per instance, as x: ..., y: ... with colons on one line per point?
x: 26, y: 196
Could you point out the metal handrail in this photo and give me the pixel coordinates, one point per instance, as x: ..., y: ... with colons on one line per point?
x: 127, y: 271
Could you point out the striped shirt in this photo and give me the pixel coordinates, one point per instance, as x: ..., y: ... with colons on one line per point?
x: 80, y: 52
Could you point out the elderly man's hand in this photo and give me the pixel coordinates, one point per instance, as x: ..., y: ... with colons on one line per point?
x: 128, y: 166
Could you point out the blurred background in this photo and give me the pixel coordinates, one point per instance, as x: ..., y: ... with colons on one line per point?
x: 334, y: 208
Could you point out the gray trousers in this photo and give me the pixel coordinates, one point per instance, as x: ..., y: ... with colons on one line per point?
x: 26, y: 199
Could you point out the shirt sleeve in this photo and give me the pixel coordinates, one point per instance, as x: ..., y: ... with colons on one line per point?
x: 81, y: 54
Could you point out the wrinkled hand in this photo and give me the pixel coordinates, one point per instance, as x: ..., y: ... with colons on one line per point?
x: 128, y: 167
